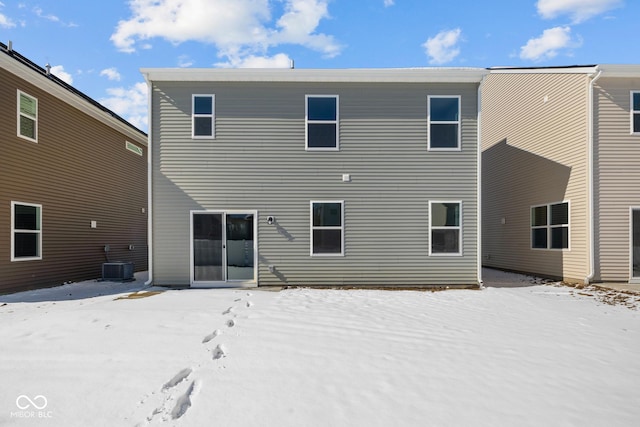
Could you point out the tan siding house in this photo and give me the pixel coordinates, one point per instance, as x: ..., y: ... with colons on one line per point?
x: 558, y: 171
x: 314, y: 177
x: 73, y: 180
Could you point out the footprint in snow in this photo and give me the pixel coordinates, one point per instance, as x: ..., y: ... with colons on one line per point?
x: 249, y: 304
x: 211, y: 336
x: 184, y: 402
x: 231, y: 323
x: 219, y: 352
x: 177, y: 378
x: 228, y: 310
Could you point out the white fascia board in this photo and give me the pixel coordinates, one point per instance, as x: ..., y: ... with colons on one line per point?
x: 550, y: 70
x: 70, y: 98
x: 285, y: 75
x: 620, y: 70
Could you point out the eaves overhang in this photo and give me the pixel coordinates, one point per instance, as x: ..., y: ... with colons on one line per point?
x: 283, y: 75
x: 620, y: 70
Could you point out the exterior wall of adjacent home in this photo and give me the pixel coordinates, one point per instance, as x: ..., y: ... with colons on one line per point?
x: 78, y: 171
x: 258, y: 161
x: 534, y: 152
x: 617, y: 175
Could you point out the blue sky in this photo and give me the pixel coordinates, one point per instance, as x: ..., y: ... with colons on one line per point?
x: 99, y: 47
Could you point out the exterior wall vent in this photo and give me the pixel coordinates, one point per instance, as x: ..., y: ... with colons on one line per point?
x: 117, y: 271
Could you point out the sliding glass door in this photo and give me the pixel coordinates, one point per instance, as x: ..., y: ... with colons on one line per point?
x: 223, y: 247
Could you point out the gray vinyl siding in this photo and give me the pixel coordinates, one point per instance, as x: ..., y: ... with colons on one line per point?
x: 534, y: 152
x: 617, y: 176
x: 258, y: 162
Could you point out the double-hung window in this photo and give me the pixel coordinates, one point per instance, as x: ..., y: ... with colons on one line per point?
x: 27, y: 117
x: 203, y: 117
x: 635, y: 112
x: 26, y: 231
x: 321, y: 117
x: 443, y: 119
x: 445, y: 228
x: 550, y: 226
x: 327, y: 228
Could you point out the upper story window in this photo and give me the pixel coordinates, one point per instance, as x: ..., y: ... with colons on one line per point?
x: 443, y: 119
x: 322, y: 122
x: 27, y: 117
x: 635, y: 112
x: 445, y: 229
x: 327, y: 228
x: 550, y: 226
x: 26, y: 231
x: 203, y: 117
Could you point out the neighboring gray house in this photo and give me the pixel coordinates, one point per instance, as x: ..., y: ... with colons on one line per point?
x: 314, y: 177
x: 561, y: 169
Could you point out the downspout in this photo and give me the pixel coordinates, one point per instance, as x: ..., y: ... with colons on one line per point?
x: 479, y: 185
x: 149, y: 192
x: 590, y: 179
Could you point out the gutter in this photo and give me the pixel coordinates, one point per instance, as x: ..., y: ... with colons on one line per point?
x: 590, y: 179
x: 479, y: 184
x: 149, y: 187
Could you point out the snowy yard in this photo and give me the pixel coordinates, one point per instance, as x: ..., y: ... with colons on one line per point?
x: 527, y: 355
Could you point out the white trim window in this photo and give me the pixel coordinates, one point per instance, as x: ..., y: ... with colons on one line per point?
x: 26, y: 231
x: 27, y: 117
x: 550, y: 226
x: 327, y: 227
x: 635, y: 111
x: 445, y: 228
x: 443, y: 122
x: 203, y: 116
x: 322, y: 122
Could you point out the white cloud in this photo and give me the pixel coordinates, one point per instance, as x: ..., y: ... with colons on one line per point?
x: 388, y: 3
x: 5, y: 22
x: 235, y: 27
x: 279, y: 60
x: 111, y: 73
x: 59, y: 72
x: 548, y: 44
x: 129, y: 103
x: 53, y: 18
x: 578, y: 10
x: 443, y: 47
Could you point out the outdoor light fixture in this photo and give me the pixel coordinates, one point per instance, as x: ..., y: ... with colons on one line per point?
x: 270, y: 220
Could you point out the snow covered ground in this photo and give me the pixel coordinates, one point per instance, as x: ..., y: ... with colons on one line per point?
x: 519, y: 353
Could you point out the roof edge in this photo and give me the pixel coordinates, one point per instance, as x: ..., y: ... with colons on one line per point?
x: 20, y: 65
x: 349, y: 75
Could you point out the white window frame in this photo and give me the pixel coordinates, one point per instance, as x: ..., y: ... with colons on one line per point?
x: 312, y: 228
x: 447, y: 227
x: 549, y: 227
x: 447, y: 122
x: 20, y: 114
x: 14, y: 231
x: 212, y: 116
x: 632, y: 112
x: 307, y: 122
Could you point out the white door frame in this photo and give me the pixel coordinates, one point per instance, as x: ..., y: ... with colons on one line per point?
x: 224, y: 283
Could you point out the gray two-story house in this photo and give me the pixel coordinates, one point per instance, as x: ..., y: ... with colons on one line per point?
x: 365, y: 177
